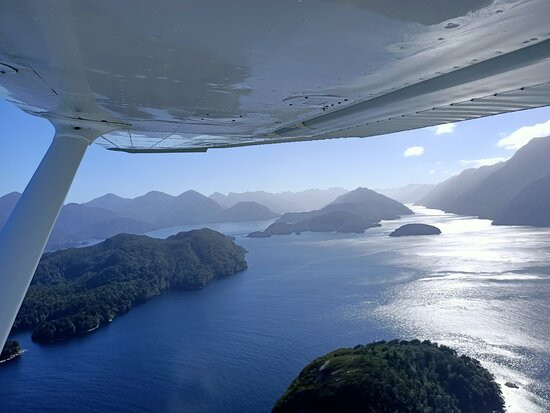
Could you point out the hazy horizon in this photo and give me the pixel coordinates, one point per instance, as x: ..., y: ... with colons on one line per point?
x: 422, y: 156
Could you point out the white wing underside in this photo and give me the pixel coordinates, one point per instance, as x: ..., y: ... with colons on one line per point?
x: 198, y: 74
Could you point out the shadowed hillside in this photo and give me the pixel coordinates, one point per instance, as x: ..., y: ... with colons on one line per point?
x: 513, y: 192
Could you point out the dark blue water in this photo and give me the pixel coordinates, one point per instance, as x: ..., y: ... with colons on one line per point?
x: 236, y: 345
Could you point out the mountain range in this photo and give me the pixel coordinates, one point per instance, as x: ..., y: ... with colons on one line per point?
x: 111, y: 214
x: 354, y: 211
x: 282, y: 202
x: 515, y: 192
x: 190, y: 207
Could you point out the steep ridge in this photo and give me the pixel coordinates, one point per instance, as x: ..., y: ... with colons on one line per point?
x: 512, y: 192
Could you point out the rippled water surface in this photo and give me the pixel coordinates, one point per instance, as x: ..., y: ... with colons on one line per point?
x: 235, y: 345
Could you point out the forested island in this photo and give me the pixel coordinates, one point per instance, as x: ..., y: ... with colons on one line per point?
x: 415, y: 229
x: 395, y: 376
x: 80, y: 289
x: 11, y: 350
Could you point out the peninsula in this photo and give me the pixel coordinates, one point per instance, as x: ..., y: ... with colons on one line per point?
x: 77, y: 290
x: 10, y: 351
x: 353, y: 212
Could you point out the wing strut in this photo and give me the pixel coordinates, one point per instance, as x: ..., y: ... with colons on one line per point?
x: 25, y: 233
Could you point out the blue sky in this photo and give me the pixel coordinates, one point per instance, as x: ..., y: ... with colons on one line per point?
x: 375, y: 162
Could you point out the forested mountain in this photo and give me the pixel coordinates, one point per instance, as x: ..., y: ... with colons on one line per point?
x: 79, y: 289
x: 512, y: 192
x: 364, y: 202
x: 355, y: 211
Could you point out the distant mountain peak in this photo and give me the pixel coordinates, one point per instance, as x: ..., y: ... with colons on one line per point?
x: 156, y: 194
x: 192, y: 192
x: 358, y: 195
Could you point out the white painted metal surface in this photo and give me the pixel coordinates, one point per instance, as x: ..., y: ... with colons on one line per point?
x: 196, y: 74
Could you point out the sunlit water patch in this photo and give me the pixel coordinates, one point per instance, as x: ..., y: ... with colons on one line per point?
x: 485, y: 291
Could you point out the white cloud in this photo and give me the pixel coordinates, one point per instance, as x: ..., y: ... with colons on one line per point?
x: 476, y: 163
x: 523, y: 135
x: 414, y: 151
x: 445, y: 128
x: 432, y: 171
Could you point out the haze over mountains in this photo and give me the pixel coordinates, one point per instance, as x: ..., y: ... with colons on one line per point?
x: 192, y: 207
x: 354, y: 211
x: 515, y: 192
x: 408, y: 194
x: 361, y: 201
x: 111, y: 214
x: 78, y: 222
x: 283, y: 202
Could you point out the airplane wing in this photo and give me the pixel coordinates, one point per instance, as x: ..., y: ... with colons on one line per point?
x: 196, y: 74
